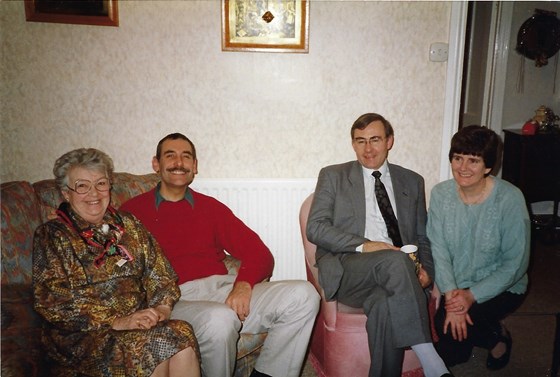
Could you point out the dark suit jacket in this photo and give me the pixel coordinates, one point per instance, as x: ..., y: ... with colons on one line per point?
x: 336, y: 221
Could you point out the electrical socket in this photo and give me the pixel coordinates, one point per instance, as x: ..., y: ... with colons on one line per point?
x: 439, y: 52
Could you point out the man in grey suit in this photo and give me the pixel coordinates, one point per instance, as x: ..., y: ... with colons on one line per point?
x: 359, y: 264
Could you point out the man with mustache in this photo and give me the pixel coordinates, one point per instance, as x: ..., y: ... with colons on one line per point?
x: 195, y: 231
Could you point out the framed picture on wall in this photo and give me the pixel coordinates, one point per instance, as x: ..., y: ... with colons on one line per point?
x: 84, y: 12
x: 265, y: 25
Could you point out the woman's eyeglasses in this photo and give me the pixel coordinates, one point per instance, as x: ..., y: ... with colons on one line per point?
x: 83, y: 186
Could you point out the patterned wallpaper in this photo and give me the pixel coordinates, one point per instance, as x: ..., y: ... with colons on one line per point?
x: 251, y: 115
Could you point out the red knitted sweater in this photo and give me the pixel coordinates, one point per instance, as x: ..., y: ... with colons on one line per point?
x: 194, y: 238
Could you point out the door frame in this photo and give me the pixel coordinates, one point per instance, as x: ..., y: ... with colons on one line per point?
x: 494, y: 88
x: 453, y: 85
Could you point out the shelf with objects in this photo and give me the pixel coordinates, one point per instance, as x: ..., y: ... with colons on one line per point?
x: 532, y: 163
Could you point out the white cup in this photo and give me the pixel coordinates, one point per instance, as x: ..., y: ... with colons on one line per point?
x: 412, y: 251
x: 409, y: 249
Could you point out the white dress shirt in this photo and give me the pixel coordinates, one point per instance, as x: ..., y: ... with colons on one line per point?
x: 376, y: 230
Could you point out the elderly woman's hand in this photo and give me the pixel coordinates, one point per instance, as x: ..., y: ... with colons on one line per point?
x: 164, y: 312
x: 142, y: 319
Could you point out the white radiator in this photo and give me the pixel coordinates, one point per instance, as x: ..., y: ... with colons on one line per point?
x: 271, y: 208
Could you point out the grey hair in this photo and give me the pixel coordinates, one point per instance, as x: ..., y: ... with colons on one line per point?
x: 87, y: 158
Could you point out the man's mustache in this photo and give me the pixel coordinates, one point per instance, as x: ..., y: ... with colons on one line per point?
x: 179, y: 169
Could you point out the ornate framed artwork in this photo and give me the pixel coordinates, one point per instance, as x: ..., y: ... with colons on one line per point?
x: 265, y: 25
x: 84, y: 12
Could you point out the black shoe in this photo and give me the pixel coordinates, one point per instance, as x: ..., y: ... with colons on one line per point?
x: 256, y: 373
x: 494, y: 363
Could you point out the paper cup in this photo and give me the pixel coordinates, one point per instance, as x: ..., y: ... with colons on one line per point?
x: 412, y: 251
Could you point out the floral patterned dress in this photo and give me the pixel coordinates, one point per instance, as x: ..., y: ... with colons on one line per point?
x: 84, y: 277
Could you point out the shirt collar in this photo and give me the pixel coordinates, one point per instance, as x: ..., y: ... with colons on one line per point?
x: 383, y: 169
x: 160, y: 199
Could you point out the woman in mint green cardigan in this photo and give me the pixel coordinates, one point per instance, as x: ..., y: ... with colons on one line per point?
x: 479, y: 229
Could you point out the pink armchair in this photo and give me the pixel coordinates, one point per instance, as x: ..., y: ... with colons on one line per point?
x: 339, y: 346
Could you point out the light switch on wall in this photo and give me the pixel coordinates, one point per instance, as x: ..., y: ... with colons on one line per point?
x: 439, y: 52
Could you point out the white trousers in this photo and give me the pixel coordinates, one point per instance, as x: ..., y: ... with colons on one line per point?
x: 285, y: 309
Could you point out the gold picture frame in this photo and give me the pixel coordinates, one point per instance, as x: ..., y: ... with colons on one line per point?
x: 84, y: 12
x: 265, y: 25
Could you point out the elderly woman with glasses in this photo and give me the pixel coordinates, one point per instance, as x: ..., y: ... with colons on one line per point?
x: 479, y: 229
x: 103, y: 285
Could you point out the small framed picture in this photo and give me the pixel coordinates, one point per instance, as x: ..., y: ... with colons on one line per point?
x: 265, y: 25
x: 85, y: 12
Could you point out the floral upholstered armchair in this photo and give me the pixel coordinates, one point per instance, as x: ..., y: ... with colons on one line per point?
x: 25, y: 206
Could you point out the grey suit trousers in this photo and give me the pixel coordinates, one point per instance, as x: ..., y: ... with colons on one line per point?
x: 385, y: 285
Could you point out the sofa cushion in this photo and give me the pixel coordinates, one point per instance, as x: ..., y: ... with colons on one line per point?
x: 20, y: 218
x: 21, y: 332
x: 49, y: 198
x: 22, y: 352
x: 126, y: 186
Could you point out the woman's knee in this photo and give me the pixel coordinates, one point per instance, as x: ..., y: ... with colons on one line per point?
x: 186, y: 355
x: 162, y: 370
x: 184, y: 363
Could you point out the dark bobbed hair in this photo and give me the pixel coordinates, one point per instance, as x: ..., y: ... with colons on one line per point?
x: 174, y: 136
x: 476, y: 141
x: 364, y: 120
